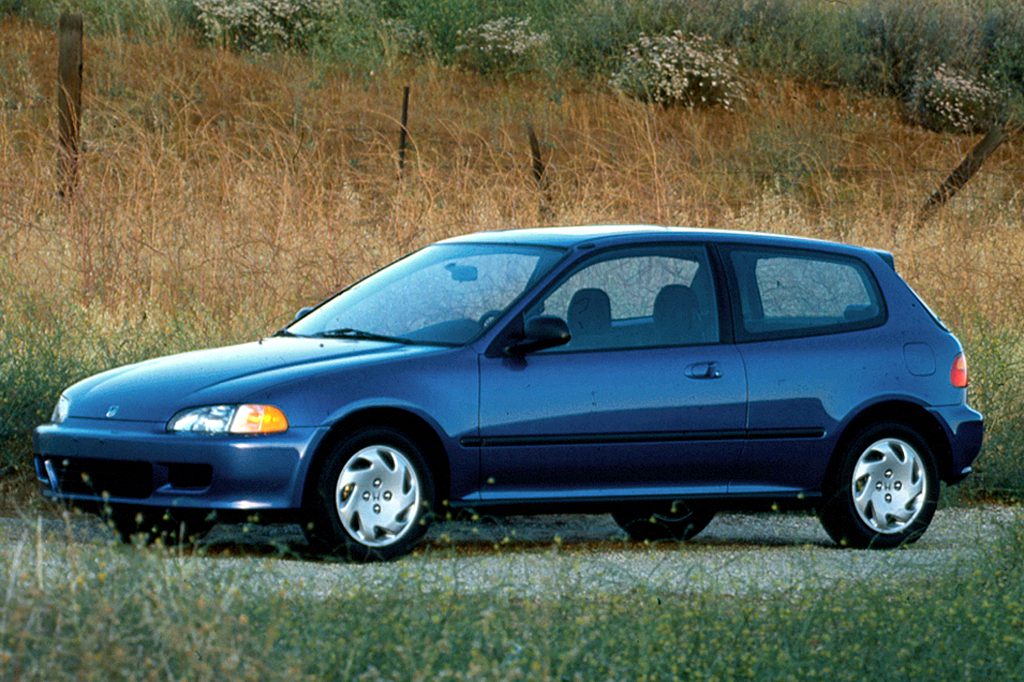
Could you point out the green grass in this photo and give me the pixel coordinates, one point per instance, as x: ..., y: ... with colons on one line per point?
x: 878, y: 45
x: 996, y: 367
x: 105, y: 612
x: 148, y: 18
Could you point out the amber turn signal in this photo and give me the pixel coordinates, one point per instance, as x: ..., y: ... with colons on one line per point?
x: 258, y: 419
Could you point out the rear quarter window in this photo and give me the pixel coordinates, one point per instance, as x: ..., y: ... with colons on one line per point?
x: 785, y: 293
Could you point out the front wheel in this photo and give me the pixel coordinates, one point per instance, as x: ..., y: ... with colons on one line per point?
x: 884, y: 490
x: 371, y: 497
x: 678, y: 521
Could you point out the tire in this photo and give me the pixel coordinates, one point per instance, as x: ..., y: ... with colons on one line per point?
x: 164, y: 526
x: 677, y: 521
x: 883, y: 490
x: 371, y: 498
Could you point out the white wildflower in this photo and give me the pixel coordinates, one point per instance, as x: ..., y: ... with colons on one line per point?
x: 945, y: 99
x: 500, y: 45
x: 678, y: 68
x: 261, y: 25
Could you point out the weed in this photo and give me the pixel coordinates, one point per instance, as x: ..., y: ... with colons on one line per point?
x: 261, y: 25
x: 503, y: 45
x: 680, y: 69
x: 89, y: 611
x: 946, y: 100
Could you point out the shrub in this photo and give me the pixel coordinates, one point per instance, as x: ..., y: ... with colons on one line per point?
x: 996, y: 357
x: 441, y: 22
x: 505, y: 44
x: 685, y: 69
x: 1003, y: 42
x: 144, y: 17
x: 356, y: 38
x: 261, y: 25
x: 589, y: 37
x: 946, y: 100
x: 405, y: 37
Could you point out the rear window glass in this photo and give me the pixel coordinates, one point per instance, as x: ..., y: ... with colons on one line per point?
x: 793, y: 293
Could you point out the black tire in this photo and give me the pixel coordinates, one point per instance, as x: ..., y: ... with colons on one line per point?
x: 168, y: 527
x: 677, y: 521
x: 874, y: 517
x: 365, y: 520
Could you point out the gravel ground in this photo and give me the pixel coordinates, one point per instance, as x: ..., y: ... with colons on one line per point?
x: 738, y: 554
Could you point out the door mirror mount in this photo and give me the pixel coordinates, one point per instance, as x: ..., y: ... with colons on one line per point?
x: 540, y: 333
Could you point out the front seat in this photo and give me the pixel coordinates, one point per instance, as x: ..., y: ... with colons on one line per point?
x: 676, y: 319
x: 590, y: 316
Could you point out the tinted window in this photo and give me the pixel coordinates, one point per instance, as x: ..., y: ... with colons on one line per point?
x: 659, y: 296
x: 787, y: 293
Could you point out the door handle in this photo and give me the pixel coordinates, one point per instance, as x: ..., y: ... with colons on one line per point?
x: 703, y: 370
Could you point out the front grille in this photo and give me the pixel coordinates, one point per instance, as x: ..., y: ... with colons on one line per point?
x: 98, y: 476
x: 189, y: 476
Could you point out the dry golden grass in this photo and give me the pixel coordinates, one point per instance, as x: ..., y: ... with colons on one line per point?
x: 215, y: 180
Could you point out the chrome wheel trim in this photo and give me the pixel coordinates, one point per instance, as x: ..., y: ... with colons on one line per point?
x: 889, y: 486
x: 377, y: 496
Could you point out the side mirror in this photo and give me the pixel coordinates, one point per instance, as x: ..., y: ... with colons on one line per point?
x: 302, y: 313
x: 541, y: 332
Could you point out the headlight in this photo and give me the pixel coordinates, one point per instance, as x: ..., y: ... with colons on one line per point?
x: 230, y: 419
x: 60, y: 410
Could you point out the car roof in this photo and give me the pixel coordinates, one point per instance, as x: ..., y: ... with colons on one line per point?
x: 612, y: 235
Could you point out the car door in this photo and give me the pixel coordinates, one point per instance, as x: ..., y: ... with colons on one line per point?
x: 643, y: 400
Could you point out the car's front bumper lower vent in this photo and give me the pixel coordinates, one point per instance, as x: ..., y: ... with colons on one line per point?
x: 98, y: 476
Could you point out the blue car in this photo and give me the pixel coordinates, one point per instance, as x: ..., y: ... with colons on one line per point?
x: 659, y: 374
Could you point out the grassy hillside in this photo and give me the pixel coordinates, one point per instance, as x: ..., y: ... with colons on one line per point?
x: 879, y: 45
x: 221, y: 191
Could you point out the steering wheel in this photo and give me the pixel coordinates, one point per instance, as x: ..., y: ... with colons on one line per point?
x: 487, y: 318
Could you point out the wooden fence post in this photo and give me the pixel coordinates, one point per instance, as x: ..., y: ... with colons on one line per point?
x: 538, y: 162
x: 539, y: 169
x: 69, y: 101
x: 964, y: 172
x: 403, y: 134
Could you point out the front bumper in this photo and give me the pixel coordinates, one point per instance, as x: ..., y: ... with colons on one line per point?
x: 965, y: 429
x: 139, y: 463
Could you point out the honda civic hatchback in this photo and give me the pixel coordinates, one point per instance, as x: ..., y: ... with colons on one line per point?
x: 657, y: 374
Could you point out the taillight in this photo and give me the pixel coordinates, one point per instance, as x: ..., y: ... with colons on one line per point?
x: 958, y: 373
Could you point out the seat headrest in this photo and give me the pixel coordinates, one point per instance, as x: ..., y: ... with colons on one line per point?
x: 675, y: 310
x: 590, y: 312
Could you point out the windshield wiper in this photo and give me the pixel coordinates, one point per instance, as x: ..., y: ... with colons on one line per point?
x: 285, y: 332
x: 350, y: 333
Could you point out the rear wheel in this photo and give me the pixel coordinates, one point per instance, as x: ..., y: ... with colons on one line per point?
x: 884, y: 490
x: 669, y: 521
x: 371, y: 497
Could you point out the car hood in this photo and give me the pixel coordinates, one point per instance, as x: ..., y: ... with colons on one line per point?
x: 155, y: 389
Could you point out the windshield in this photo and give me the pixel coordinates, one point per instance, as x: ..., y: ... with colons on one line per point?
x: 444, y: 294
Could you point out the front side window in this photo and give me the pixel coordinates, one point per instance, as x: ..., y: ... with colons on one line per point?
x: 795, y: 293
x: 636, y: 298
x: 444, y: 294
